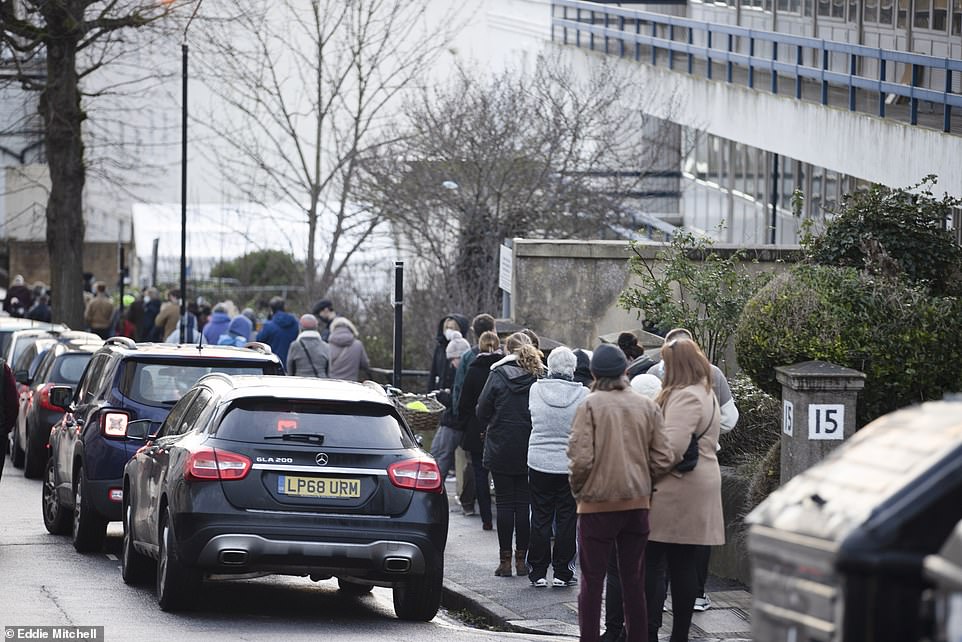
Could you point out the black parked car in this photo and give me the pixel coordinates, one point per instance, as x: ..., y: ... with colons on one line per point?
x: 89, y: 447
x: 289, y: 476
x: 61, y: 364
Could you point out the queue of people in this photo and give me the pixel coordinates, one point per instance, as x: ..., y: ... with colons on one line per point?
x: 587, y: 462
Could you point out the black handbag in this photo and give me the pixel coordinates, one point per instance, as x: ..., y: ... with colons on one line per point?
x: 690, y: 459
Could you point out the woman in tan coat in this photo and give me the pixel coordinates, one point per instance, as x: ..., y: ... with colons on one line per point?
x: 686, y: 509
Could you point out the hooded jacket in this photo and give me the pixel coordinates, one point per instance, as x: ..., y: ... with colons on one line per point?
x: 552, y: 403
x: 308, y: 355
x: 503, y: 410
x: 347, y: 354
x: 278, y: 333
x: 441, y: 375
x: 216, y: 326
x: 238, y: 332
x: 474, y: 380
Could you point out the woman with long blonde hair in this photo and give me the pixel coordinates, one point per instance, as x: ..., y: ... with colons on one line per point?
x: 686, y: 511
x: 503, y: 411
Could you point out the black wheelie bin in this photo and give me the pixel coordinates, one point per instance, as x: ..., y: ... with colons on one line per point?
x: 837, y: 553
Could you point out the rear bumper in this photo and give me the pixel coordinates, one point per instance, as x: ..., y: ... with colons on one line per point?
x: 383, y: 549
x: 99, y: 493
x: 252, y: 552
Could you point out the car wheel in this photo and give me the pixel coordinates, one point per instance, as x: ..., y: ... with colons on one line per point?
x: 135, y: 567
x: 353, y: 588
x: 419, y: 598
x: 34, y: 458
x: 176, y: 583
x: 89, y: 528
x: 56, y: 518
x: 16, y: 450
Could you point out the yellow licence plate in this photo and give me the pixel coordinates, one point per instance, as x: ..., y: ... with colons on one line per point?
x: 325, y: 487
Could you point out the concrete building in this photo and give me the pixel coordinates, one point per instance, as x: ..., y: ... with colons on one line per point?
x: 863, y: 92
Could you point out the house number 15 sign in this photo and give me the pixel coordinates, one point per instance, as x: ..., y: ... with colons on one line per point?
x: 826, y: 421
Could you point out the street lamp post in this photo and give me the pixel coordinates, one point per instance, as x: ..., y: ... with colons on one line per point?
x: 183, y: 180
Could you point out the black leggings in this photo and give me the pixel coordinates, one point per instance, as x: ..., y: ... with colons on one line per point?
x: 680, y: 562
x: 513, y: 499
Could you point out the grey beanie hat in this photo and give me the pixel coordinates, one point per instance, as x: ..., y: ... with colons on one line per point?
x: 562, y: 361
x: 608, y: 361
x: 457, y: 346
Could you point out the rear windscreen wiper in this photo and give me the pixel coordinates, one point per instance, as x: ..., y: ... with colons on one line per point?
x: 309, y: 437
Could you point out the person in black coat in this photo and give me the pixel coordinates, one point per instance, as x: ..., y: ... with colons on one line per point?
x: 503, y: 410
x: 441, y: 375
x: 472, y: 439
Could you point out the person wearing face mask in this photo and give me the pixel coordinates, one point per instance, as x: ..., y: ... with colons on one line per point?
x: 440, y: 367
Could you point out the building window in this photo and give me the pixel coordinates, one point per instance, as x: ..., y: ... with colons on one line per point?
x: 903, y: 14
x: 824, y: 7
x: 940, y: 15
x: 885, y: 12
x: 853, y: 10
x: 838, y: 9
x: 871, y: 11
x: 956, y: 17
x: 922, y: 10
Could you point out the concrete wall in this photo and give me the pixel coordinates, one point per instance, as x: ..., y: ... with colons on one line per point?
x: 568, y: 290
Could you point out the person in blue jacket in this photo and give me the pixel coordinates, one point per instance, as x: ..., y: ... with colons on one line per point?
x: 280, y: 331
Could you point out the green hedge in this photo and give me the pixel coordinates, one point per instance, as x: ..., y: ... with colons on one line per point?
x: 907, y: 342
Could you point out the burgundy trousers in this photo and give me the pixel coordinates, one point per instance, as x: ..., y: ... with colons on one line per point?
x: 627, y: 531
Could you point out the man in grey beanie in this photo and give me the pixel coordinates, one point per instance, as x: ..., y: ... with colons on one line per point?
x: 618, y: 446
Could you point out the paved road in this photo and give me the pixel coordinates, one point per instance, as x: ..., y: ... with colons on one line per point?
x: 43, y: 581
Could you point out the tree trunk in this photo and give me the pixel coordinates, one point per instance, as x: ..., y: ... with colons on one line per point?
x: 63, y: 116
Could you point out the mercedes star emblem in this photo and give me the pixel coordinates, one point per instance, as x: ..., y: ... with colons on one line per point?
x: 321, y: 459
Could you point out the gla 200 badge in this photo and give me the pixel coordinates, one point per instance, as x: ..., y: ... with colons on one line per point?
x: 321, y: 459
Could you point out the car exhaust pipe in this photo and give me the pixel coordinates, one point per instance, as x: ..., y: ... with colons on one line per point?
x: 233, y: 557
x: 397, y: 564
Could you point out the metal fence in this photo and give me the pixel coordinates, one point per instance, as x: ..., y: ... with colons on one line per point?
x: 792, y: 65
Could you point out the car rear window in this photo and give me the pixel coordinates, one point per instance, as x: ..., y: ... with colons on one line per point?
x: 157, y: 383
x: 68, y: 367
x: 313, y: 423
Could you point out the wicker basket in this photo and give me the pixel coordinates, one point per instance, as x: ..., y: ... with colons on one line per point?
x: 422, y: 422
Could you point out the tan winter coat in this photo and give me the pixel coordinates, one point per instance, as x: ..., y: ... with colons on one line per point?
x: 99, y: 312
x: 687, y: 507
x: 617, y: 445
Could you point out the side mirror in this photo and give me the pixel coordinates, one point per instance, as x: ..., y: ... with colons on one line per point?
x: 142, y: 429
x: 22, y: 377
x: 60, y: 396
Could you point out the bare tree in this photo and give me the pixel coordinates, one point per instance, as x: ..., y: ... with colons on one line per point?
x: 487, y: 158
x: 302, y: 93
x: 52, y: 48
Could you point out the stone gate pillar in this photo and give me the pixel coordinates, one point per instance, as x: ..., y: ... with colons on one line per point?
x: 818, y: 411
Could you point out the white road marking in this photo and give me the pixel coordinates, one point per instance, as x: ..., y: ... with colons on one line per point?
x: 111, y: 557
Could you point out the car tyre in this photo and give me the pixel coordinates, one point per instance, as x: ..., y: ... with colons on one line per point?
x: 419, y: 598
x: 177, y: 583
x: 135, y: 567
x: 89, y: 528
x: 34, y: 458
x: 354, y: 588
x: 16, y: 450
x: 56, y: 517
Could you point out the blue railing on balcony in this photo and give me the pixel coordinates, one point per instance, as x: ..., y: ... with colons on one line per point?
x: 652, y: 37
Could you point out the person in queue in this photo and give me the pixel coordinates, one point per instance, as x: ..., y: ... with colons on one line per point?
x: 686, y: 512
x: 617, y: 447
x: 503, y: 409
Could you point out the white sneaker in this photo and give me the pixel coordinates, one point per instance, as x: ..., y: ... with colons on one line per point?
x: 558, y: 582
x: 539, y: 583
x: 702, y: 603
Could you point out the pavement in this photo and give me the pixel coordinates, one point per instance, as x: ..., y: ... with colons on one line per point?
x: 512, y: 604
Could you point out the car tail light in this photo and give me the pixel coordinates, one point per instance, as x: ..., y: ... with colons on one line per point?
x: 114, y: 424
x: 417, y: 474
x: 115, y: 495
x: 45, y: 398
x: 211, y: 464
